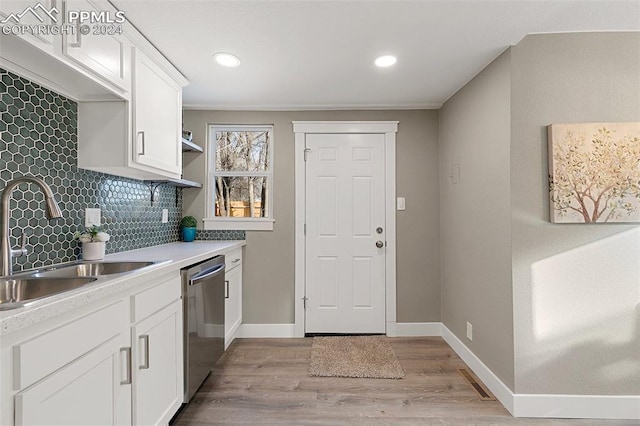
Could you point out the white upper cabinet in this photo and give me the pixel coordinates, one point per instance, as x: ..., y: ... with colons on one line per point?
x: 103, y: 49
x: 157, y: 117
x: 129, y: 95
x: 84, y: 58
x: 47, y: 13
x: 141, y: 138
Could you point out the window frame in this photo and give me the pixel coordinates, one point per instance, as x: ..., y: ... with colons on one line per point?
x: 213, y: 222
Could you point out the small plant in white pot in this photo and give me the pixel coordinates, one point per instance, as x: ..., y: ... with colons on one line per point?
x: 93, y: 242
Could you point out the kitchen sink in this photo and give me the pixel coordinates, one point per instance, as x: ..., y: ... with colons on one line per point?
x: 23, y: 288
x: 91, y: 269
x: 17, y: 292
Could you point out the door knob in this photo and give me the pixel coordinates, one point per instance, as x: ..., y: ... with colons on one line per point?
x: 379, y: 244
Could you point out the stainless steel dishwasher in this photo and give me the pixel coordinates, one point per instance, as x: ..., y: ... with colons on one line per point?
x: 203, y: 295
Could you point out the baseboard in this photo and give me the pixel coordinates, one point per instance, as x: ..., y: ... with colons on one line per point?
x: 233, y: 333
x: 495, y: 385
x: 415, y: 329
x: 266, y: 330
x: 578, y: 406
x: 553, y: 406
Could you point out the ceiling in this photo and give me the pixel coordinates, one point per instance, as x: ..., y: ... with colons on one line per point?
x: 318, y: 54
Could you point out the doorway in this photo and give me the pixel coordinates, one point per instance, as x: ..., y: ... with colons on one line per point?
x: 345, y: 227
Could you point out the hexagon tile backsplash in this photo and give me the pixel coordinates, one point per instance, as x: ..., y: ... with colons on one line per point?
x: 39, y: 138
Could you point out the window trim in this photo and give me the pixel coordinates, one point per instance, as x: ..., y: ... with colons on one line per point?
x: 212, y: 222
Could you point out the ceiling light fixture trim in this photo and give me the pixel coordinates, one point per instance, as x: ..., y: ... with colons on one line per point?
x: 225, y: 59
x: 385, y: 61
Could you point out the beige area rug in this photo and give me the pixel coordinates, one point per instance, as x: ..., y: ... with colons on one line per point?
x: 354, y: 356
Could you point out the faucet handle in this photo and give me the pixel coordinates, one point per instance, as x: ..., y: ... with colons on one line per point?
x: 22, y: 250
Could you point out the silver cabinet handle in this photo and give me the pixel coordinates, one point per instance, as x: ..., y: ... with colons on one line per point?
x: 226, y: 289
x: 379, y: 244
x: 78, y: 42
x: 145, y: 339
x: 141, y: 142
x: 127, y: 352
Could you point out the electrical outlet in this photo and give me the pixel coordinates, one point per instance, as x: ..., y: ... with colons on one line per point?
x: 92, y: 217
x: 469, y: 331
x: 400, y: 203
x: 165, y: 215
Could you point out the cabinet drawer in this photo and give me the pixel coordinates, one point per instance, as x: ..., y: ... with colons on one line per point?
x: 156, y: 298
x: 233, y: 259
x: 46, y: 353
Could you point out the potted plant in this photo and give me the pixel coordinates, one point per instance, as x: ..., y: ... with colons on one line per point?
x: 93, y: 242
x: 188, y: 225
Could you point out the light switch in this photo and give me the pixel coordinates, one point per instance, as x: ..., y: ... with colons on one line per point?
x: 400, y: 203
x: 92, y: 217
x: 165, y: 215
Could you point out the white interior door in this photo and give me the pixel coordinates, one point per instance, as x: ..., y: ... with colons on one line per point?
x: 345, y: 223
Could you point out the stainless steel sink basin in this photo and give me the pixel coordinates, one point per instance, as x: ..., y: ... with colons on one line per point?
x: 23, y: 288
x: 92, y: 269
x: 16, y: 292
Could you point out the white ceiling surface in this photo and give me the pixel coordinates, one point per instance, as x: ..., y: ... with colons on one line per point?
x: 319, y: 54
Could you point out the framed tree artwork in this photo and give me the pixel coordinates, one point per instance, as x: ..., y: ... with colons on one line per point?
x: 594, y: 172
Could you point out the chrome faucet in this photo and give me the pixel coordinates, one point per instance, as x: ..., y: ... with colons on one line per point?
x: 53, y: 212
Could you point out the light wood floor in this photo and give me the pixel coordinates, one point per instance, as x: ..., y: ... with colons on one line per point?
x: 265, y: 381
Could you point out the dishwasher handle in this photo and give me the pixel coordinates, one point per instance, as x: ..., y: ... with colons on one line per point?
x: 206, y: 274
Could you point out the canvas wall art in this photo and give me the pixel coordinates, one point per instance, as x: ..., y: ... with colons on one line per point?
x: 594, y: 172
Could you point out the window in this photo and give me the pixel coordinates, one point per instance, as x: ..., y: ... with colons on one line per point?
x: 240, y: 178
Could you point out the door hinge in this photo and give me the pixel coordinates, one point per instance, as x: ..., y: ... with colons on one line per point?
x: 304, y: 302
x: 306, y: 151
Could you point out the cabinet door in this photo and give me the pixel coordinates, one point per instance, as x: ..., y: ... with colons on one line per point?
x: 95, y: 389
x: 233, y: 305
x: 103, y: 50
x: 156, y: 118
x: 46, y: 12
x: 158, y: 382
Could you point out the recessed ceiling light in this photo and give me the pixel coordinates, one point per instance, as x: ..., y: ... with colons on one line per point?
x: 226, y: 59
x: 385, y: 61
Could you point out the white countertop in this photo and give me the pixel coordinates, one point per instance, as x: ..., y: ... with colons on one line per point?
x: 173, y: 257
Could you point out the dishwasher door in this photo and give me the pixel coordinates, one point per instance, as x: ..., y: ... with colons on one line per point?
x: 203, y: 291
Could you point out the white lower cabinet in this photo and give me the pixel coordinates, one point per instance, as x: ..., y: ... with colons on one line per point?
x: 117, y: 363
x: 90, y: 390
x: 158, y: 382
x: 76, y: 372
x: 233, y: 296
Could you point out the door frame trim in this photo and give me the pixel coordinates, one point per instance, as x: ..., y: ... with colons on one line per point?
x: 389, y: 129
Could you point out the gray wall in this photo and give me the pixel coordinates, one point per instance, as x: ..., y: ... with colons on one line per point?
x: 269, y: 268
x: 476, y: 217
x: 576, y: 291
